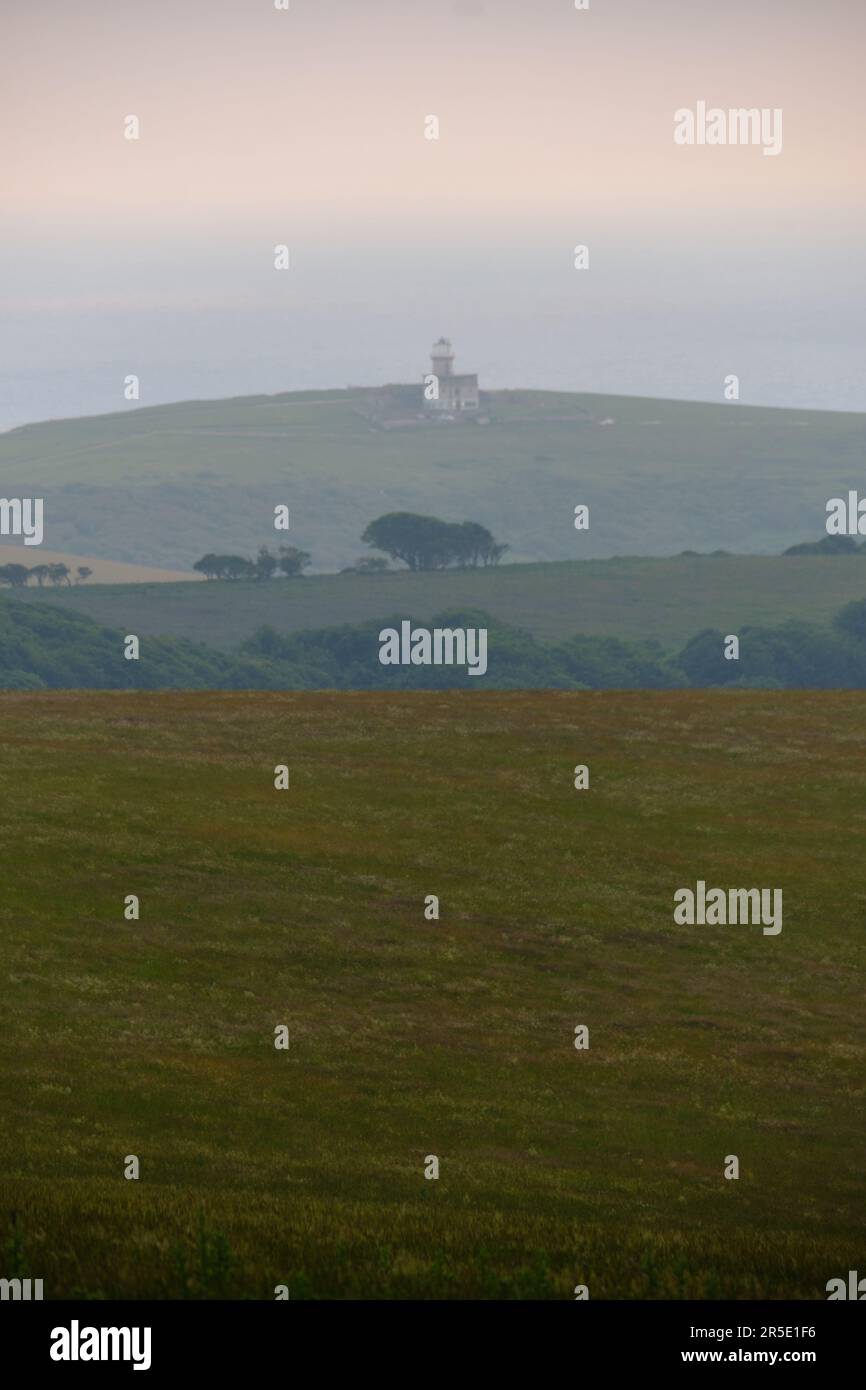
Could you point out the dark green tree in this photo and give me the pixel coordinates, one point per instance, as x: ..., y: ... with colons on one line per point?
x: 292, y: 561
x: 225, y: 567
x: 852, y: 620
x: 827, y: 545
x: 421, y: 542
x: 266, y: 564
x: 208, y: 565
x: 15, y: 576
x: 427, y: 543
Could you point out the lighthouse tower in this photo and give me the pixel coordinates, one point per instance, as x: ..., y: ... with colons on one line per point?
x: 442, y: 357
x: 457, y: 392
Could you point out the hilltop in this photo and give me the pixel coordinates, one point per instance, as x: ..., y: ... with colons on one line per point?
x: 162, y: 485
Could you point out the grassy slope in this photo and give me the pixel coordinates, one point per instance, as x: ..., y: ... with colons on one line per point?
x: 165, y: 484
x: 411, y: 1038
x: 669, y: 600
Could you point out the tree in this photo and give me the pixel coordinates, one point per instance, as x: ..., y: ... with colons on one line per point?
x: 494, y: 554
x: 421, y: 542
x: 84, y: 572
x: 703, y: 659
x: 827, y: 545
x: 473, y: 542
x: 236, y: 567
x: 208, y: 565
x: 40, y: 574
x: 266, y: 564
x: 225, y: 567
x: 404, y: 536
x: 292, y: 561
x: 852, y: 620
x: 15, y: 576
x: 426, y: 543
x: 59, y: 574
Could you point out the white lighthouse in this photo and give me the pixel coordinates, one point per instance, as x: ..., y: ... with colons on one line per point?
x: 456, y: 392
x: 442, y: 357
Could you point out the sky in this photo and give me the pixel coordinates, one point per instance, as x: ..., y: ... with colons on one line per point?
x: 261, y: 127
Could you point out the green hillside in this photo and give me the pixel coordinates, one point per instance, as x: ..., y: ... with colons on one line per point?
x: 163, y: 485
x: 44, y: 646
x: 668, y: 600
x: 411, y: 1037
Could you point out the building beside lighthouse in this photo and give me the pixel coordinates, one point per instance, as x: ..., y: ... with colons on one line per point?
x: 447, y: 392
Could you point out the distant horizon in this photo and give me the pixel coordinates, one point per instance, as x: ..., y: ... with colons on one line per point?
x: 308, y: 129
x: 140, y: 406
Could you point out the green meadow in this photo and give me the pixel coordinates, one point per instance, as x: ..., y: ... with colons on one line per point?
x: 162, y: 485
x: 411, y: 1037
x: 668, y: 600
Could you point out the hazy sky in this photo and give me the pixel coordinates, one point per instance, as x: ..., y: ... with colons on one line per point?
x: 261, y: 127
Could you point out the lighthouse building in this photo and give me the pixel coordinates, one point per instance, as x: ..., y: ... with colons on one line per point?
x: 456, y: 391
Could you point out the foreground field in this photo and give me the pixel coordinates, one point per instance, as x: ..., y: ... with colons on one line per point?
x: 411, y: 1037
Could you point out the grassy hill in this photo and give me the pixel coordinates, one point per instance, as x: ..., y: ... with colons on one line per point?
x: 410, y: 1037
x: 161, y: 486
x: 668, y: 600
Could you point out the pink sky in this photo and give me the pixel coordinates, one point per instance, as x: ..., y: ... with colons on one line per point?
x: 261, y: 127
x: 253, y: 119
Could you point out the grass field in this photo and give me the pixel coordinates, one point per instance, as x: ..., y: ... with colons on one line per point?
x: 163, y: 485
x: 666, y: 599
x: 410, y: 1037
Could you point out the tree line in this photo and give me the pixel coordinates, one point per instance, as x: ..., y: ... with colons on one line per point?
x: 19, y: 576
x: 46, y: 645
x: 828, y: 545
x: 419, y: 542
x: 289, y: 561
